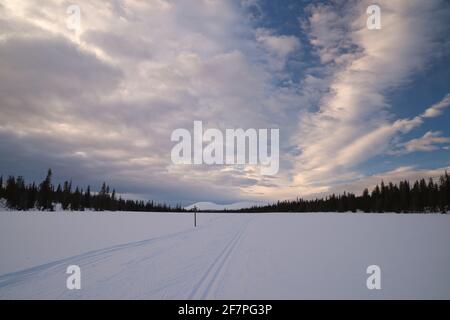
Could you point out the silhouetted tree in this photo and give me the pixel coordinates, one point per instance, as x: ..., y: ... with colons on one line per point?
x: 2, y: 190
x: 46, y: 193
x: 66, y: 195
x: 87, y: 202
x: 11, y: 192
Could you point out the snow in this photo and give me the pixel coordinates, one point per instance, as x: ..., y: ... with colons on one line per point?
x: 228, y: 256
x: 3, y: 206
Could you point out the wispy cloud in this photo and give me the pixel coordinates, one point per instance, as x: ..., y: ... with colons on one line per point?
x: 429, y: 142
x: 278, y: 46
x: 353, y: 122
x: 438, y: 108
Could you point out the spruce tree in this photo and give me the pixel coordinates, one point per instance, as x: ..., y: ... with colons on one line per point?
x: 22, y: 200
x: 2, y: 192
x: 87, y: 204
x: 66, y: 195
x: 75, y: 200
x: 46, y: 193
x: 32, y: 196
x: 11, y: 192
x: 58, y: 194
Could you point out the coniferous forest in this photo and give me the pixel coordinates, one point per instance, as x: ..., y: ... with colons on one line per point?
x: 44, y: 196
x: 405, y: 197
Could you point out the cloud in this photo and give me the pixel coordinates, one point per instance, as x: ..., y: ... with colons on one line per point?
x: 352, y: 123
x: 429, y: 142
x: 103, y: 103
x: 280, y: 47
x: 438, y: 108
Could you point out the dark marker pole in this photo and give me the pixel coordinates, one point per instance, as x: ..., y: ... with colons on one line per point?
x: 195, y: 216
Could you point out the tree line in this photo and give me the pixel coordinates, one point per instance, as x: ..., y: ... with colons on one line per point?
x: 44, y: 196
x: 419, y: 196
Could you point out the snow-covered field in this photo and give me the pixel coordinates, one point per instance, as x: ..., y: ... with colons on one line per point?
x: 228, y: 256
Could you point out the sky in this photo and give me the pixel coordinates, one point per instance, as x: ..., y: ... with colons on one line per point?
x: 98, y: 103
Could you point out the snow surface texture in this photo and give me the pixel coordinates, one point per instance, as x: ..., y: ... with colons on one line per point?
x: 228, y: 256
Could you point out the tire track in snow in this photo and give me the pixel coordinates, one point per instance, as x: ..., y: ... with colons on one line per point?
x: 211, y: 277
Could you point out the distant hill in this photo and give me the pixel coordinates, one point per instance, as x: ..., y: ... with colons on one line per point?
x: 215, y: 206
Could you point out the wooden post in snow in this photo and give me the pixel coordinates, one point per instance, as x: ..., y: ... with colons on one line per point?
x: 195, y: 216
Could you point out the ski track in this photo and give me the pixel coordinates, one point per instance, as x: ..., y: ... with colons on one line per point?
x: 196, y: 273
x: 212, y: 275
x: 246, y: 256
x: 89, y: 257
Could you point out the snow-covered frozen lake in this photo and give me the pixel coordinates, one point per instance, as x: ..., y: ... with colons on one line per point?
x: 228, y: 256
